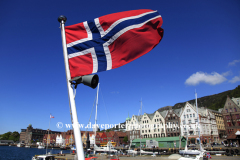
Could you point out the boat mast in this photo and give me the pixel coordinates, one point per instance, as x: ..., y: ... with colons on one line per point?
x: 198, y: 122
x: 96, y: 118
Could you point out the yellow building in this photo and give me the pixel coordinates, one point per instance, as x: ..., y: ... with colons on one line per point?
x: 220, y: 123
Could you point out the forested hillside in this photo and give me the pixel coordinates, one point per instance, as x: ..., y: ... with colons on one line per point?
x: 214, y: 102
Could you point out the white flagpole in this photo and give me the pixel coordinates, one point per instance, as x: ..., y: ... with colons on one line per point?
x: 76, y: 128
x: 48, y: 134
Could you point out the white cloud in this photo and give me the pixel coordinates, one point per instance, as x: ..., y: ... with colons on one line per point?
x: 235, y: 79
x: 233, y: 62
x: 227, y: 73
x: 200, y: 77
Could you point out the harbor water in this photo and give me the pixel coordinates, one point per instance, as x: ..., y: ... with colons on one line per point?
x: 22, y: 153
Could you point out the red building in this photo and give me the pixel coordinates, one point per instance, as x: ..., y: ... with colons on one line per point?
x: 121, y: 136
x: 109, y: 137
x: 49, y: 138
x: 98, y: 138
x: 103, y: 138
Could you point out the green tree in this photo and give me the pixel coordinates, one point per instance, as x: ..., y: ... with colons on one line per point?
x: 193, y: 140
x: 14, y: 136
x: 6, y: 136
x: 125, y: 139
x: 10, y: 136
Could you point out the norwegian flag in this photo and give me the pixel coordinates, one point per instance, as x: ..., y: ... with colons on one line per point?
x: 111, y: 41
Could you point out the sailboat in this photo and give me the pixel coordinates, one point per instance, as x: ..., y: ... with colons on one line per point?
x: 105, y: 149
x: 200, y: 152
x: 189, y: 152
x: 198, y: 157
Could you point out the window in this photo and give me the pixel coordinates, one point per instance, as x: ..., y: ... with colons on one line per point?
x: 184, y: 116
x: 237, y: 116
x: 227, y: 110
x: 187, y: 116
x: 238, y: 123
x: 235, y: 109
x: 190, y: 115
x: 230, y: 110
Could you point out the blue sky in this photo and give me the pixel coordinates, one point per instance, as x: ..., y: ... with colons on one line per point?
x: 199, y: 50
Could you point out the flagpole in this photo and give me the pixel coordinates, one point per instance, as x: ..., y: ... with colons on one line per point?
x: 76, y: 128
x: 48, y: 134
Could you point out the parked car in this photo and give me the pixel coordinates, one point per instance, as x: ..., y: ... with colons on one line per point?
x: 215, y: 144
x: 191, y: 145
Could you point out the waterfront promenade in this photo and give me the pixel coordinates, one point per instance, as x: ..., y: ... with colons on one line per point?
x: 165, y: 157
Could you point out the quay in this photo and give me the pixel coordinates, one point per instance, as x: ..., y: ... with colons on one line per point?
x: 165, y: 151
x: 146, y: 157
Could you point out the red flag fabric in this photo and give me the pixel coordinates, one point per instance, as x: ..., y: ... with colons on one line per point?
x: 111, y: 41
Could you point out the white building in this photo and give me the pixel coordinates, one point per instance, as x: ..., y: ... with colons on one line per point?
x: 152, y: 125
x: 188, y: 121
x: 60, y: 140
x: 207, y: 123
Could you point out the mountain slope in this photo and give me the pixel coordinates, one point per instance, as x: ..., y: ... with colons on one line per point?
x: 213, y: 102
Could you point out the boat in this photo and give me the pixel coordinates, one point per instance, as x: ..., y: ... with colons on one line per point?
x: 130, y: 151
x: 105, y: 149
x: 19, y: 145
x: 189, y: 152
x: 198, y: 157
x: 43, y: 157
x: 27, y: 146
x: 63, y: 147
x: 41, y: 147
x: 193, y: 152
x: 73, y: 148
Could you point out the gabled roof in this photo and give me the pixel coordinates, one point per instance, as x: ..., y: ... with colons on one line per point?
x: 236, y: 101
x: 164, y: 113
x: 178, y: 111
x: 121, y: 134
x: 187, y: 104
x: 150, y: 115
x: 138, y: 118
x: 100, y: 134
